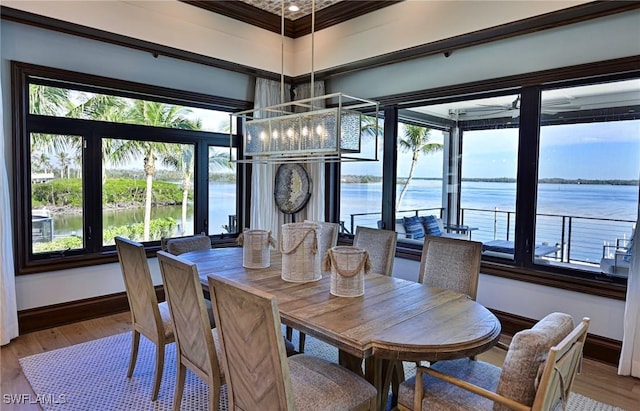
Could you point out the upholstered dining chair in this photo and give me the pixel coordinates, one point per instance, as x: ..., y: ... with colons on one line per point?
x: 450, y: 263
x: 259, y: 375
x: 148, y: 317
x: 197, y: 346
x: 180, y: 245
x: 381, y: 245
x: 327, y: 238
x: 538, y: 372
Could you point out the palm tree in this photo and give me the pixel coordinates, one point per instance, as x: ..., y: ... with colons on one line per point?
x: 159, y: 115
x: 181, y: 158
x: 63, y: 162
x: 48, y: 101
x: 105, y: 108
x: 415, y: 140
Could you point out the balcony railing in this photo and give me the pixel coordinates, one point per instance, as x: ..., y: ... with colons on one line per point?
x: 580, y: 240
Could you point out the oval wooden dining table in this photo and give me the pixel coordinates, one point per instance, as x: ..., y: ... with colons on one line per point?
x: 395, y: 319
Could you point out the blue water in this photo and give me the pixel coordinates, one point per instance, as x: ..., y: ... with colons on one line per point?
x: 599, y: 213
x: 616, y: 202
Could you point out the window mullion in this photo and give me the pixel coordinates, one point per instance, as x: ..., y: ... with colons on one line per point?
x: 527, y: 175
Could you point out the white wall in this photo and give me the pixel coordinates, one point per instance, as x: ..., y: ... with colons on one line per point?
x: 536, y: 301
x: 600, y: 39
x: 185, y: 27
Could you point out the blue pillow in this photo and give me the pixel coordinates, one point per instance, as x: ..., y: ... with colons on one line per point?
x: 413, y: 227
x: 431, y: 226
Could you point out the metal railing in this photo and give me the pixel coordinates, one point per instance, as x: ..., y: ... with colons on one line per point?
x: 580, y: 240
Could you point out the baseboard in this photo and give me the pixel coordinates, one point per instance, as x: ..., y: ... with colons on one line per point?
x: 50, y: 316
x: 597, y: 348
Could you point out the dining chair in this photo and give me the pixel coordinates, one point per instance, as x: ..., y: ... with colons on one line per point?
x: 197, y: 346
x: 381, y: 245
x: 180, y: 245
x: 148, y: 317
x: 537, y: 374
x: 327, y: 238
x: 259, y: 375
x: 450, y: 263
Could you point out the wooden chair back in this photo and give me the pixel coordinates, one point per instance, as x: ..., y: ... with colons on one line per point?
x: 327, y: 237
x: 195, y: 345
x: 381, y: 245
x: 180, y: 245
x: 141, y: 294
x: 255, y: 360
x: 560, y: 369
x: 450, y: 263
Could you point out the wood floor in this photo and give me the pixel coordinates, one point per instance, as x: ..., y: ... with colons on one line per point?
x: 598, y: 381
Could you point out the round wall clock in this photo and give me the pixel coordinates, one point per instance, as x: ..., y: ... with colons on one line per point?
x: 292, y: 188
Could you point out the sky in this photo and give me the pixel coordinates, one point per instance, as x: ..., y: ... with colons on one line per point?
x: 608, y: 150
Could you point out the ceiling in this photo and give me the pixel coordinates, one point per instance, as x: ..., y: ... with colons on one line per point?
x: 305, y: 7
x: 267, y: 14
x: 623, y: 95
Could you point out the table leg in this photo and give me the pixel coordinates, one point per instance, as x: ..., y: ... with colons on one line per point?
x: 385, y: 375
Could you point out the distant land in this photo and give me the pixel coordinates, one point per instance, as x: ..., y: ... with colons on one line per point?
x: 613, y: 182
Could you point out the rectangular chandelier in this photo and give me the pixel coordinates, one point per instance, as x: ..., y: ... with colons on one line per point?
x: 303, y: 130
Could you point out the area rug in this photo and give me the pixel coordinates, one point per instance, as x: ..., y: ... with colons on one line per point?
x: 92, y: 376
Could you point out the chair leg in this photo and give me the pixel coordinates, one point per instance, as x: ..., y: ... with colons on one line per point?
x: 289, y: 333
x: 180, y: 377
x: 158, y: 373
x: 214, y: 395
x: 302, y: 337
x: 135, y: 342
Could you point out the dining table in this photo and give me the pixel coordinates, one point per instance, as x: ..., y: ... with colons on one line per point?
x: 395, y: 320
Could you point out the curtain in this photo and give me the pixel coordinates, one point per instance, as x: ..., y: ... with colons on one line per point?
x: 630, y: 355
x: 8, y: 307
x: 264, y: 213
x: 315, y: 208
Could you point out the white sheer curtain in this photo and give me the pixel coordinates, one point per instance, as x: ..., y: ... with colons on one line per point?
x: 264, y: 212
x: 8, y: 307
x: 315, y: 208
x: 630, y: 356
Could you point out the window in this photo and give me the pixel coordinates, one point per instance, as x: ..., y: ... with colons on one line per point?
x: 106, y: 164
x: 56, y: 193
x: 547, y: 178
x: 222, y: 192
x: 419, y: 189
x: 361, y: 182
x: 587, y: 190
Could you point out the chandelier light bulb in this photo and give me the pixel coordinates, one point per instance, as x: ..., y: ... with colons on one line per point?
x: 263, y: 135
x: 275, y: 134
x: 290, y: 132
x: 305, y: 131
x: 320, y: 130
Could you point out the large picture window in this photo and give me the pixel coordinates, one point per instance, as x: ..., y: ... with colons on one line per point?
x: 108, y: 163
x: 589, y: 164
x: 547, y: 178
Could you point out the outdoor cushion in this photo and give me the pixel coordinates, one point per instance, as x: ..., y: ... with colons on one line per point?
x: 413, y: 227
x: 431, y: 225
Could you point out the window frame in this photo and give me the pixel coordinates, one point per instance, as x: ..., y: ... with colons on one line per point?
x: 92, y: 133
x: 529, y: 86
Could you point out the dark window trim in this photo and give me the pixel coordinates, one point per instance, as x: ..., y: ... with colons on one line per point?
x: 92, y: 131
x: 529, y: 84
x: 571, y: 15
